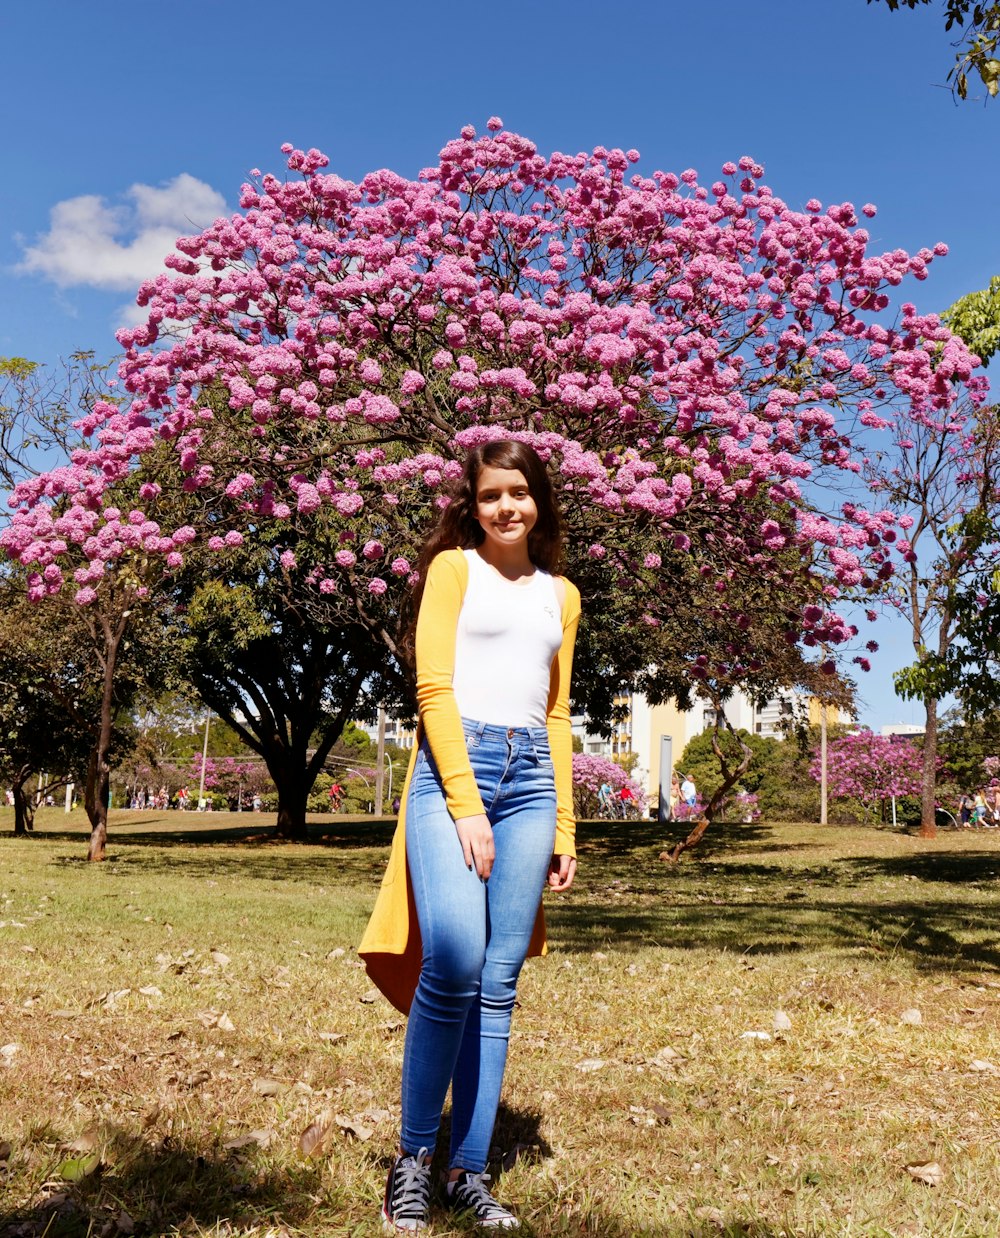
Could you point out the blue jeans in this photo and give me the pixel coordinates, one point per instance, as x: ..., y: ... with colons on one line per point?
x: 475, y: 935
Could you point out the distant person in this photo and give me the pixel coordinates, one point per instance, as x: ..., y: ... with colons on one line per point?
x: 675, y: 795
x: 979, y: 809
x: 689, y: 792
x: 604, y: 798
x: 964, y: 810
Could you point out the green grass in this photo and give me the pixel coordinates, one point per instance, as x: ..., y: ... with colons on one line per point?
x: 635, y: 1102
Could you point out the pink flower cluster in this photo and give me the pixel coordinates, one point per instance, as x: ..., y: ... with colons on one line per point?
x: 590, y: 772
x: 871, y: 767
x: 318, y: 361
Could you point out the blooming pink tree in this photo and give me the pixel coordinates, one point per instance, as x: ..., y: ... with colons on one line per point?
x: 689, y: 358
x: 872, y: 768
x: 590, y: 773
x: 232, y: 778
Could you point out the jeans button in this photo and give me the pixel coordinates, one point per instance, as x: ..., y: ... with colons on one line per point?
x: 510, y: 733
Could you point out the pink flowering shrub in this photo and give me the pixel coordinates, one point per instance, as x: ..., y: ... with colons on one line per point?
x: 589, y: 773
x: 689, y: 357
x: 871, y: 768
x: 230, y: 777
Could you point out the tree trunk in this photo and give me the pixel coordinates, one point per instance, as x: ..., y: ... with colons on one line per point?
x: 928, y: 799
x: 730, y: 777
x: 293, y: 792
x: 98, y: 790
x: 24, y: 810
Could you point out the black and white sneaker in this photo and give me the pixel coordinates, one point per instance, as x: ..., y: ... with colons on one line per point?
x: 469, y: 1194
x: 407, y: 1194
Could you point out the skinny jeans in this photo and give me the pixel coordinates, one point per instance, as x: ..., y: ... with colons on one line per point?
x: 475, y: 934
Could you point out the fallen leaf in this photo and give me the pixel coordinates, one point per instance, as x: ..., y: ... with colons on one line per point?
x: 223, y: 960
x: 590, y: 1064
x: 150, y: 990
x: 912, y: 1016
x: 332, y: 1037
x: 782, y: 1023
x: 314, y: 1135
x: 225, y: 1024
x: 7, y: 1053
x: 197, y: 1079
x: 712, y: 1215
x: 755, y: 1036
x: 665, y: 1057
x: 371, y: 996
x: 75, y: 1170
x: 86, y: 1142
x: 267, y: 1087
x: 929, y: 1173
x: 259, y: 1138
x: 977, y: 1064
x: 337, y: 952
x: 354, y: 1126
x: 393, y: 1025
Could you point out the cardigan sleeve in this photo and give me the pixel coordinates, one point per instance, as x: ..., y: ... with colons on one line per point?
x: 558, y: 721
x: 437, y: 629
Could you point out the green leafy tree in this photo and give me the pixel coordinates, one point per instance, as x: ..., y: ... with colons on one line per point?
x: 46, y: 701
x: 977, y: 51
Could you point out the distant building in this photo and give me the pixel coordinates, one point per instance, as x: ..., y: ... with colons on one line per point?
x: 642, y: 726
x: 903, y: 728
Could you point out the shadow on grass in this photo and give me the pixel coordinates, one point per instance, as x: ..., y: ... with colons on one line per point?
x: 154, y: 1188
x: 150, y: 1189
x: 935, y: 935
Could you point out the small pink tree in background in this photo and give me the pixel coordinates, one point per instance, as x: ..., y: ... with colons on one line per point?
x: 687, y: 357
x: 236, y: 780
x: 871, y: 768
x: 590, y: 772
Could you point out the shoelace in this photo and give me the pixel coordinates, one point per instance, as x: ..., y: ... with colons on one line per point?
x: 474, y: 1194
x: 411, y: 1187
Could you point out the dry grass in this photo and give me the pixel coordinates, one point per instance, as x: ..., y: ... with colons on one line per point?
x: 179, y: 1025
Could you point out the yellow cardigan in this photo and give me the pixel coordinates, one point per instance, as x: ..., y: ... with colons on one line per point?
x: 391, y: 946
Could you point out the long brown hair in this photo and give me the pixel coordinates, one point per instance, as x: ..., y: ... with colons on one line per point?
x: 458, y: 528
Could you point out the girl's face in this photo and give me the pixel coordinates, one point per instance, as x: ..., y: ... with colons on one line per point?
x: 504, y: 507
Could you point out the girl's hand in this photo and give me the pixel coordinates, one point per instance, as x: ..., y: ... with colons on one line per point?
x: 476, y: 837
x: 562, y: 870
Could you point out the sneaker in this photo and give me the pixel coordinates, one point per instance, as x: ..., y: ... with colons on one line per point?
x: 468, y: 1193
x: 407, y: 1194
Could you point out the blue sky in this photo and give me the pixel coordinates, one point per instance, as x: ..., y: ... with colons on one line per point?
x: 126, y: 124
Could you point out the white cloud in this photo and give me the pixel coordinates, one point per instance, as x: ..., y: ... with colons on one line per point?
x: 94, y: 243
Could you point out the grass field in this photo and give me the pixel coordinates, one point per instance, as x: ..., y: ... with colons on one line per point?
x: 759, y: 1041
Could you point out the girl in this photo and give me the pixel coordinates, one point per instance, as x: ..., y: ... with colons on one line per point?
x: 487, y: 817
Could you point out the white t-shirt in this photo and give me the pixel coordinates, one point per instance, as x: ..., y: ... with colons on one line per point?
x: 507, y: 636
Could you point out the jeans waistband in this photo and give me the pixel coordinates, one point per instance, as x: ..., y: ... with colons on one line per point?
x: 489, y: 731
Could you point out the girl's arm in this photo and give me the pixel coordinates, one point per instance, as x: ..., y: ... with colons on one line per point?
x: 560, y: 735
x: 437, y: 629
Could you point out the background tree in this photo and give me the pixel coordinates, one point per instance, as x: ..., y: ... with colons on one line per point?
x: 977, y: 48
x: 944, y: 474
x: 590, y: 773
x: 689, y: 359
x: 44, y: 705
x: 872, y: 768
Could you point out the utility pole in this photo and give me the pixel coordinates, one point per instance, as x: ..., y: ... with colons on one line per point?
x: 380, y: 764
x: 204, y: 759
x: 822, y: 763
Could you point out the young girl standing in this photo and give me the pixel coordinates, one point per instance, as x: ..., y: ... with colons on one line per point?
x: 487, y: 817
